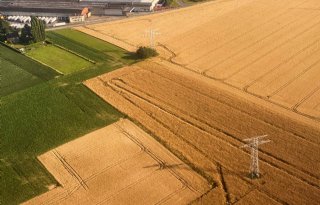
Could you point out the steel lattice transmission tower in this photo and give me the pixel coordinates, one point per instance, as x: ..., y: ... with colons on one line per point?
x: 151, y: 34
x: 254, y: 143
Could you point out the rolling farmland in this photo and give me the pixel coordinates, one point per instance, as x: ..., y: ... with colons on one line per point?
x: 268, y: 49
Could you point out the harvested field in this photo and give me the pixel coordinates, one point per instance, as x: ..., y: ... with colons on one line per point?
x: 206, y: 126
x: 118, y: 164
x: 265, y: 48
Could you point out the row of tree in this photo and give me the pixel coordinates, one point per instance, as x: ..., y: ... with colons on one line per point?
x: 37, y: 29
x: 27, y: 34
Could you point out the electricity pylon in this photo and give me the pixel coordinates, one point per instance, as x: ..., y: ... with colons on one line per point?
x: 151, y: 34
x: 254, y: 143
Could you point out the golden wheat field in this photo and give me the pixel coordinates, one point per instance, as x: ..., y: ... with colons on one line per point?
x: 207, y: 127
x: 265, y: 48
x: 227, y: 71
x: 118, y: 164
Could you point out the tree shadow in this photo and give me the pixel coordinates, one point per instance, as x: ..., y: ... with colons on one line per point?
x: 130, y: 56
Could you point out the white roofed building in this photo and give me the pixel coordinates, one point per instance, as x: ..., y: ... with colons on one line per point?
x: 61, y: 8
x: 139, y: 5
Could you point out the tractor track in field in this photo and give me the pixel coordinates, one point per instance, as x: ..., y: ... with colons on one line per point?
x: 203, y: 130
x: 204, y: 115
x: 216, y: 129
x: 260, y: 57
x: 267, y: 99
x: 234, y: 107
x: 245, y: 88
x: 70, y: 169
x: 206, y: 155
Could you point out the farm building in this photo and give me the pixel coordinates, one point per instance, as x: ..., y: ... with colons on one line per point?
x: 49, y: 12
x: 65, y: 8
x: 136, y: 5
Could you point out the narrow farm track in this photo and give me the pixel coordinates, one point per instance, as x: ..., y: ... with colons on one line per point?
x: 199, y: 117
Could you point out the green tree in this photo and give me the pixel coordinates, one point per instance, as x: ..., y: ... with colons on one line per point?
x: 146, y: 52
x: 168, y: 2
x: 26, y: 36
x: 37, y: 29
x: 5, y: 30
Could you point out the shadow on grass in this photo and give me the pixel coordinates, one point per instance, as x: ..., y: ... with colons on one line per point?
x: 130, y: 56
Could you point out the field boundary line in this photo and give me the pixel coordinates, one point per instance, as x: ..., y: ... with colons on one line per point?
x: 253, y: 98
x: 266, y: 53
x: 293, y: 79
x: 215, y: 128
x: 70, y: 169
x: 245, y: 33
x: 285, y: 84
x: 176, y: 152
x: 93, y: 176
x: 297, y: 105
x: 246, y: 87
x: 242, y: 111
x: 161, y: 162
x: 44, y: 64
x: 110, y: 40
x: 223, y: 184
x: 73, y: 52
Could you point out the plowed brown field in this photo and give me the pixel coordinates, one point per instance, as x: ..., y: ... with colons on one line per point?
x: 206, y: 126
x: 119, y: 164
x: 265, y: 48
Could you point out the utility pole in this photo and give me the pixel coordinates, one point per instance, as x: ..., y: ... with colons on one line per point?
x: 151, y: 34
x: 254, y: 143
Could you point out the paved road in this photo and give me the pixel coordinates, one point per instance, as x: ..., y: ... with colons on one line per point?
x: 89, y: 21
x: 101, y: 19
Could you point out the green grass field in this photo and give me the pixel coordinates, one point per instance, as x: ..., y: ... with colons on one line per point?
x: 20, y: 74
x: 45, y: 116
x: 59, y: 59
x: 88, y: 46
x: 15, y: 78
